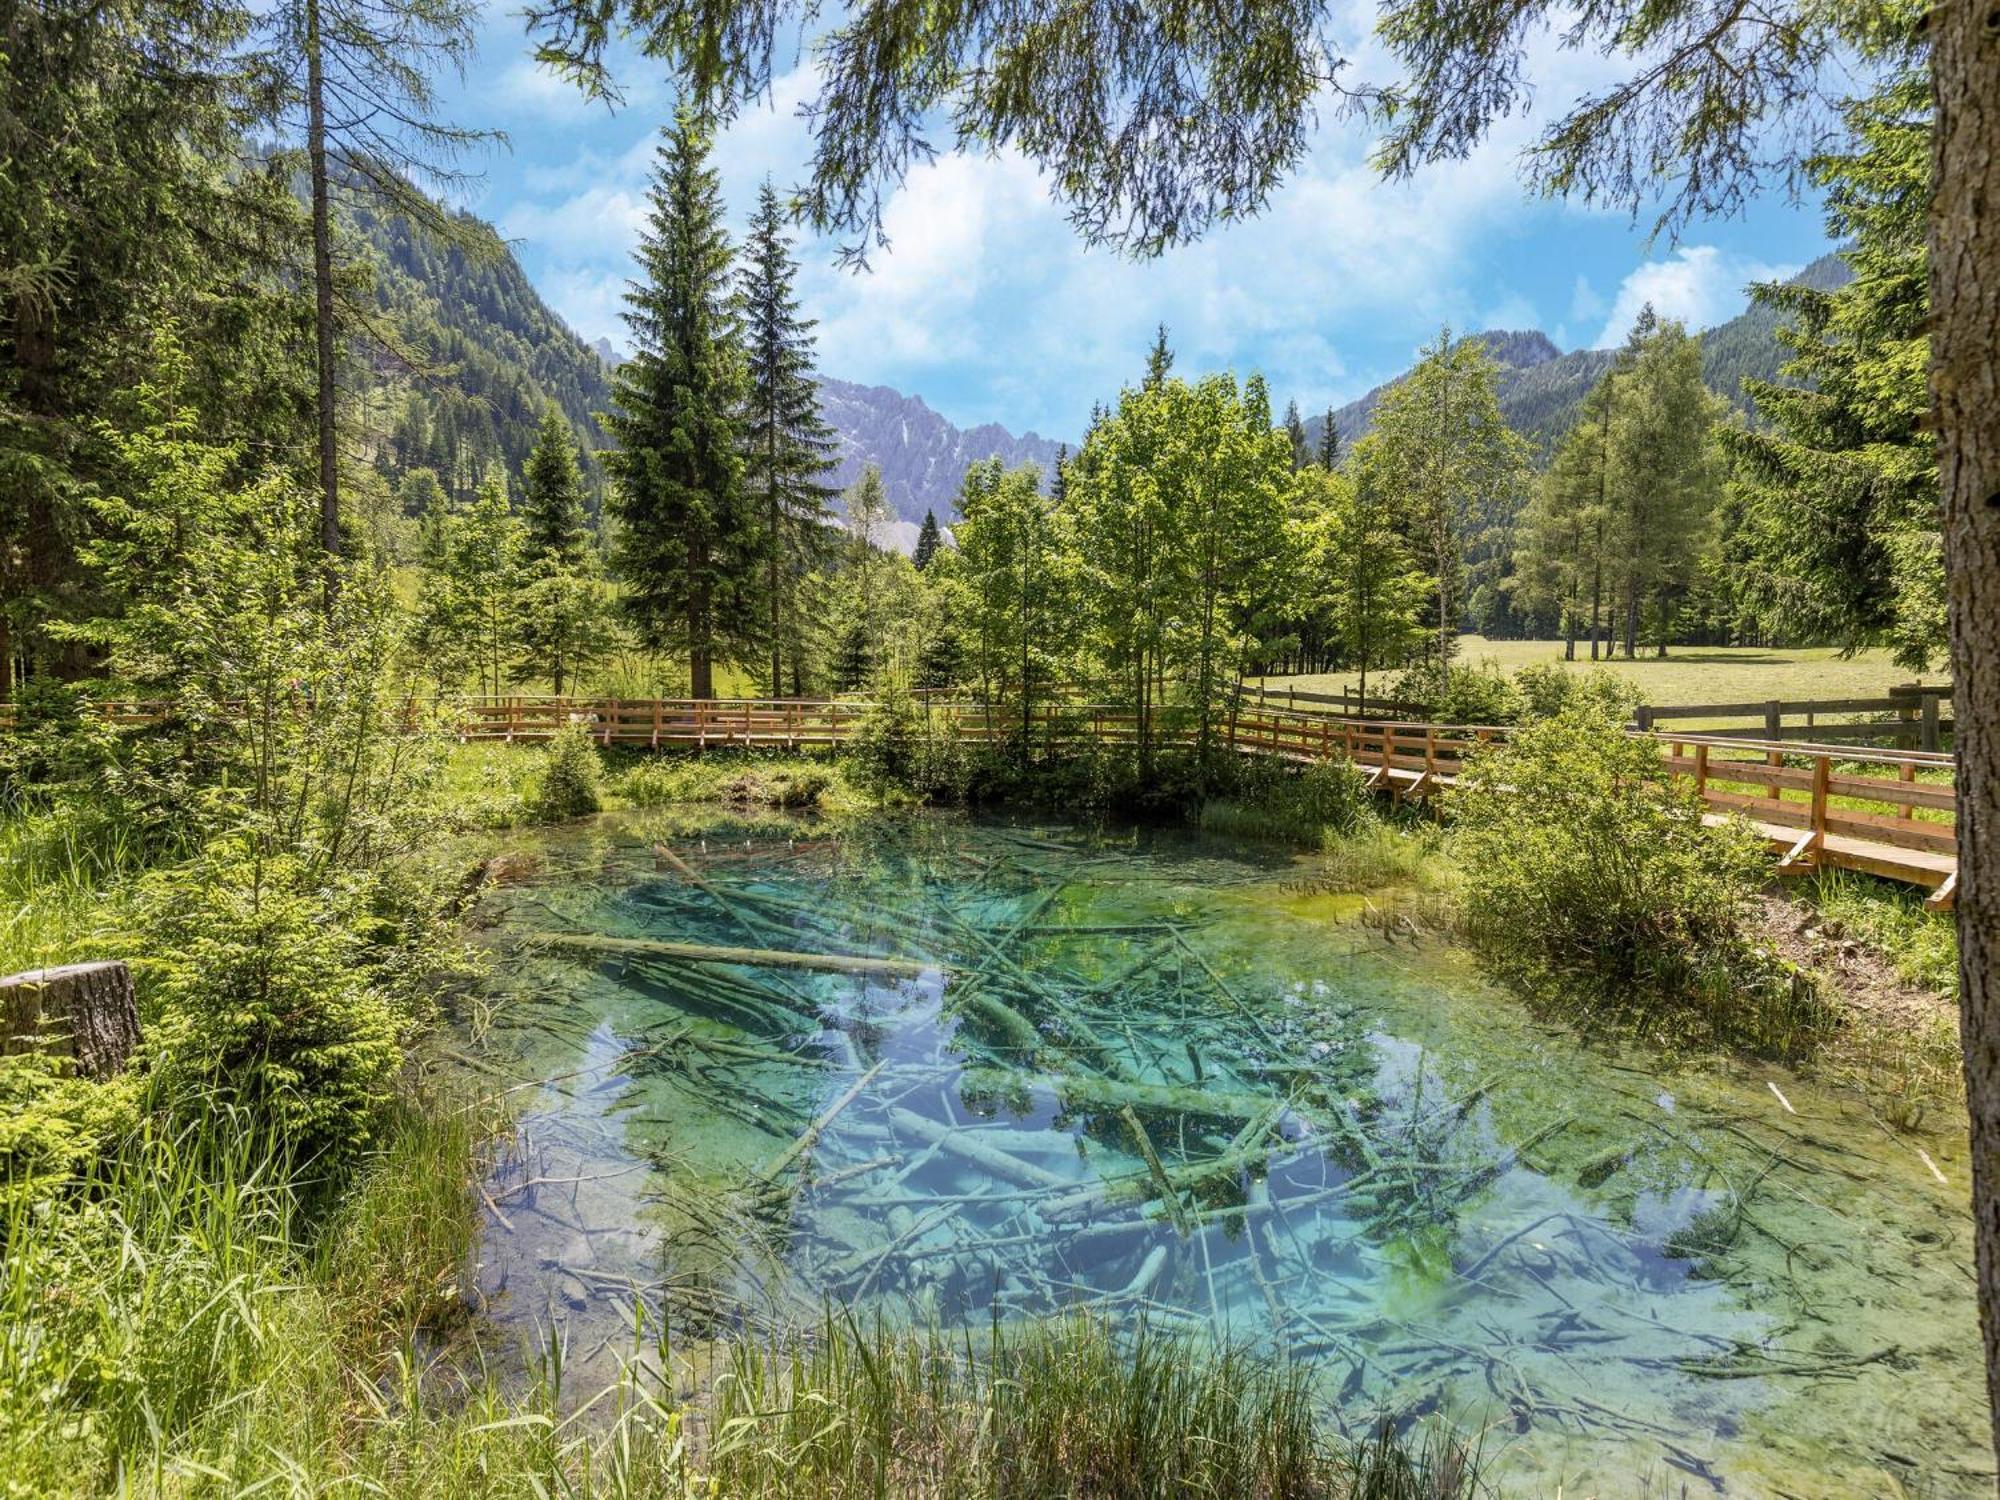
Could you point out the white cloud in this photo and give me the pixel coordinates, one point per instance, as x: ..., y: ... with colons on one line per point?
x: 1699, y: 284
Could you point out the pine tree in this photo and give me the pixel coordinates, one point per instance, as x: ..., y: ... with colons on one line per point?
x: 363, y: 102
x: 788, y: 447
x: 1296, y: 429
x: 690, y: 546
x: 1329, y: 443
x: 1159, y: 360
x: 928, y: 541
x: 1840, y: 488
x: 552, y: 510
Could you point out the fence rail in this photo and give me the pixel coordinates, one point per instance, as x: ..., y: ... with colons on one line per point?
x: 1912, y: 718
x: 1888, y: 812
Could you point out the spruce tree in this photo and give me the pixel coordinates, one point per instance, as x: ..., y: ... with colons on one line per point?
x: 359, y: 95
x: 690, y: 547
x: 788, y: 447
x: 1295, y: 428
x: 1159, y: 360
x: 928, y: 541
x: 552, y: 509
x: 1839, y: 482
x: 1329, y: 443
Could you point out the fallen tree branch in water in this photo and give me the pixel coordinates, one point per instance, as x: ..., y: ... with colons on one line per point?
x: 756, y: 958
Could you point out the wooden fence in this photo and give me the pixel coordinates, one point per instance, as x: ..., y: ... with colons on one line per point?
x: 1910, y: 717
x: 1887, y: 812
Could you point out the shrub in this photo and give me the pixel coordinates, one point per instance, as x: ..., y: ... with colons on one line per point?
x: 1547, y: 689
x: 1308, y: 807
x: 1590, y: 875
x: 571, y: 776
x: 885, y: 749
x: 1464, y: 693
x: 264, y: 992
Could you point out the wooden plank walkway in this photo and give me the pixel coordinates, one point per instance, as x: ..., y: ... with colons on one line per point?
x: 1884, y: 812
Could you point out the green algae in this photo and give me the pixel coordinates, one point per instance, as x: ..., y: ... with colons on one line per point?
x: 1631, y: 1275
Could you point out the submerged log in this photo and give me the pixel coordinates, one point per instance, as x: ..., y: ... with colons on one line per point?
x: 85, y: 1012
x: 966, y: 1146
x: 1088, y: 1091
x: 755, y: 958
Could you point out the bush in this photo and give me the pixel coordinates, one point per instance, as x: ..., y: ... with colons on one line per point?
x: 1308, y: 807
x: 1464, y: 693
x: 886, y: 747
x: 1590, y: 875
x: 264, y: 992
x: 571, y: 775
x: 1549, y: 688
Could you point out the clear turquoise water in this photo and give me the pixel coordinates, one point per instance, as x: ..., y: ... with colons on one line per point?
x: 1631, y: 1276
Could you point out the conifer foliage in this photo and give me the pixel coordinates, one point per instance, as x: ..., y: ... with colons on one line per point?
x: 788, y: 446
x: 689, y: 543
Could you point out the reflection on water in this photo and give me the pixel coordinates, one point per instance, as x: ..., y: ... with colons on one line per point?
x: 1155, y: 1076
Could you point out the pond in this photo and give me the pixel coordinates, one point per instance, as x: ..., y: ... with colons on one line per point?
x: 1157, y: 1076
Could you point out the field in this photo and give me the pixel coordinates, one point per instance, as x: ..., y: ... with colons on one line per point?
x: 1691, y: 674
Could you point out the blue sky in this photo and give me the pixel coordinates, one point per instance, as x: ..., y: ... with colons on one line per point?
x: 988, y: 307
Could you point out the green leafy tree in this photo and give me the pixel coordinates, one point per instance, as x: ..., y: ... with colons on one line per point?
x: 1329, y: 442
x: 1665, y: 474
x: 1357, y: 560
x: 690, y: 547
x: 1446, y: 456
x: 1014, y: 557
x: 788, y: 447
x: 1565, y: 562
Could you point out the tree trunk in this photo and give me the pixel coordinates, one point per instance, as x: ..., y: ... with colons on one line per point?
x: 323, y: 347
x: 81, y: 1011
x: 1965, y: 394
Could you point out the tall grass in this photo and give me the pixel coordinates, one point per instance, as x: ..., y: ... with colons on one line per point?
x: 201, y: 1315
x: 1065, y: 1407
x: 60, y: 874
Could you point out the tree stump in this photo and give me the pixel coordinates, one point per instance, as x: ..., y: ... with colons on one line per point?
x: 85, y: 1012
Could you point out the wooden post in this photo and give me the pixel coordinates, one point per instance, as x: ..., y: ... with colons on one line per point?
x: 85, y: 1012
x: 1906, y: 772
x: 1773, y: 722
x: 1930, y: 722
x: 1642, y: 717
x: 1701, y: 771
x: 1820, y: 773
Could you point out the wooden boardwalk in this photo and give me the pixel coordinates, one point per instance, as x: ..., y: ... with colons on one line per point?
x: 1884, y: 812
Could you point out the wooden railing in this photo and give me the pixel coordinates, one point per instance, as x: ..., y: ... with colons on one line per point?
x: 1886, y: 812
x: 1911, y: 716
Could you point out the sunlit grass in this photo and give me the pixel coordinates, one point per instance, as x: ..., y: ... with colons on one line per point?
x: 202, y: 1315
x: 1688, y: 674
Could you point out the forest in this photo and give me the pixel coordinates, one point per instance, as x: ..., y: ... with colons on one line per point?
x: 296, y: 470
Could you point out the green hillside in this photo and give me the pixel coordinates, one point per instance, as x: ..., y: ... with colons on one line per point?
x: 479, y: 354
x: 1540, y: 388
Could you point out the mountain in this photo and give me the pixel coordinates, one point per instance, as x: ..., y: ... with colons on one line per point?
x: 1540, y: 387
x: 923, y: 457
x: 482, y: 352
x: 479, y: 354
